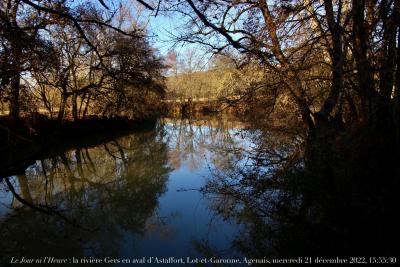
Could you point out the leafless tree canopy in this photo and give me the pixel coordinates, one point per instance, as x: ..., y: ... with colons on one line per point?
x: 337, y: 60
x: 75, y: 59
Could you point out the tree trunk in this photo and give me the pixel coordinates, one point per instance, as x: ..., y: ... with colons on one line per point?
x: 363, y: 66
x: 15, y: 78
x: 337, y: 65
x: 61, y: 111
x: 85, y: 111
x: 14, y: 99
x: 74, y: 107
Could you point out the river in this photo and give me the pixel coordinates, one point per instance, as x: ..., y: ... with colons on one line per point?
x: 208, y: 191
x: 130, y: 199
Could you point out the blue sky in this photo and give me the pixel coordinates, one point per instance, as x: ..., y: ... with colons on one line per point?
x: 160, y: 28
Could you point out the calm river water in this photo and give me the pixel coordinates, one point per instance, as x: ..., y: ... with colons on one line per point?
x: 132, y: 197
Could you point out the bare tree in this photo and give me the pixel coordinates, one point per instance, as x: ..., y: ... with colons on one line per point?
x: 325, y: 54
x: 23, y: 28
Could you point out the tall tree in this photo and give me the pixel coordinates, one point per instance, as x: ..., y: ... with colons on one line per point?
x: 325, y: 54
x: 24, y: 25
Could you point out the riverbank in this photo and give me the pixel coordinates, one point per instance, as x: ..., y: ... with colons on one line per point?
x: 200, y: 107
x: 22, y: 142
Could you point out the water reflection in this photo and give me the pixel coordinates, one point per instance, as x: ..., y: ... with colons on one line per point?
x: 134, y: 196
x: 220, y: 141
x: 339, y: 202
x: 83, y: 201
x: 210, y: 187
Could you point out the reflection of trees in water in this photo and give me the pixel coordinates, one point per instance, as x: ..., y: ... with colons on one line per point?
x: 287, y: 206
x: 98, y: 192
x: 192, y: 140
x: 290, y: 206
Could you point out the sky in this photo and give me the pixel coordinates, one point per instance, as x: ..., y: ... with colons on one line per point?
x: 161, y: 29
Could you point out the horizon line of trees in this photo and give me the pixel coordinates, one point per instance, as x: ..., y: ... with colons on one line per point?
x: 221, y: 79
